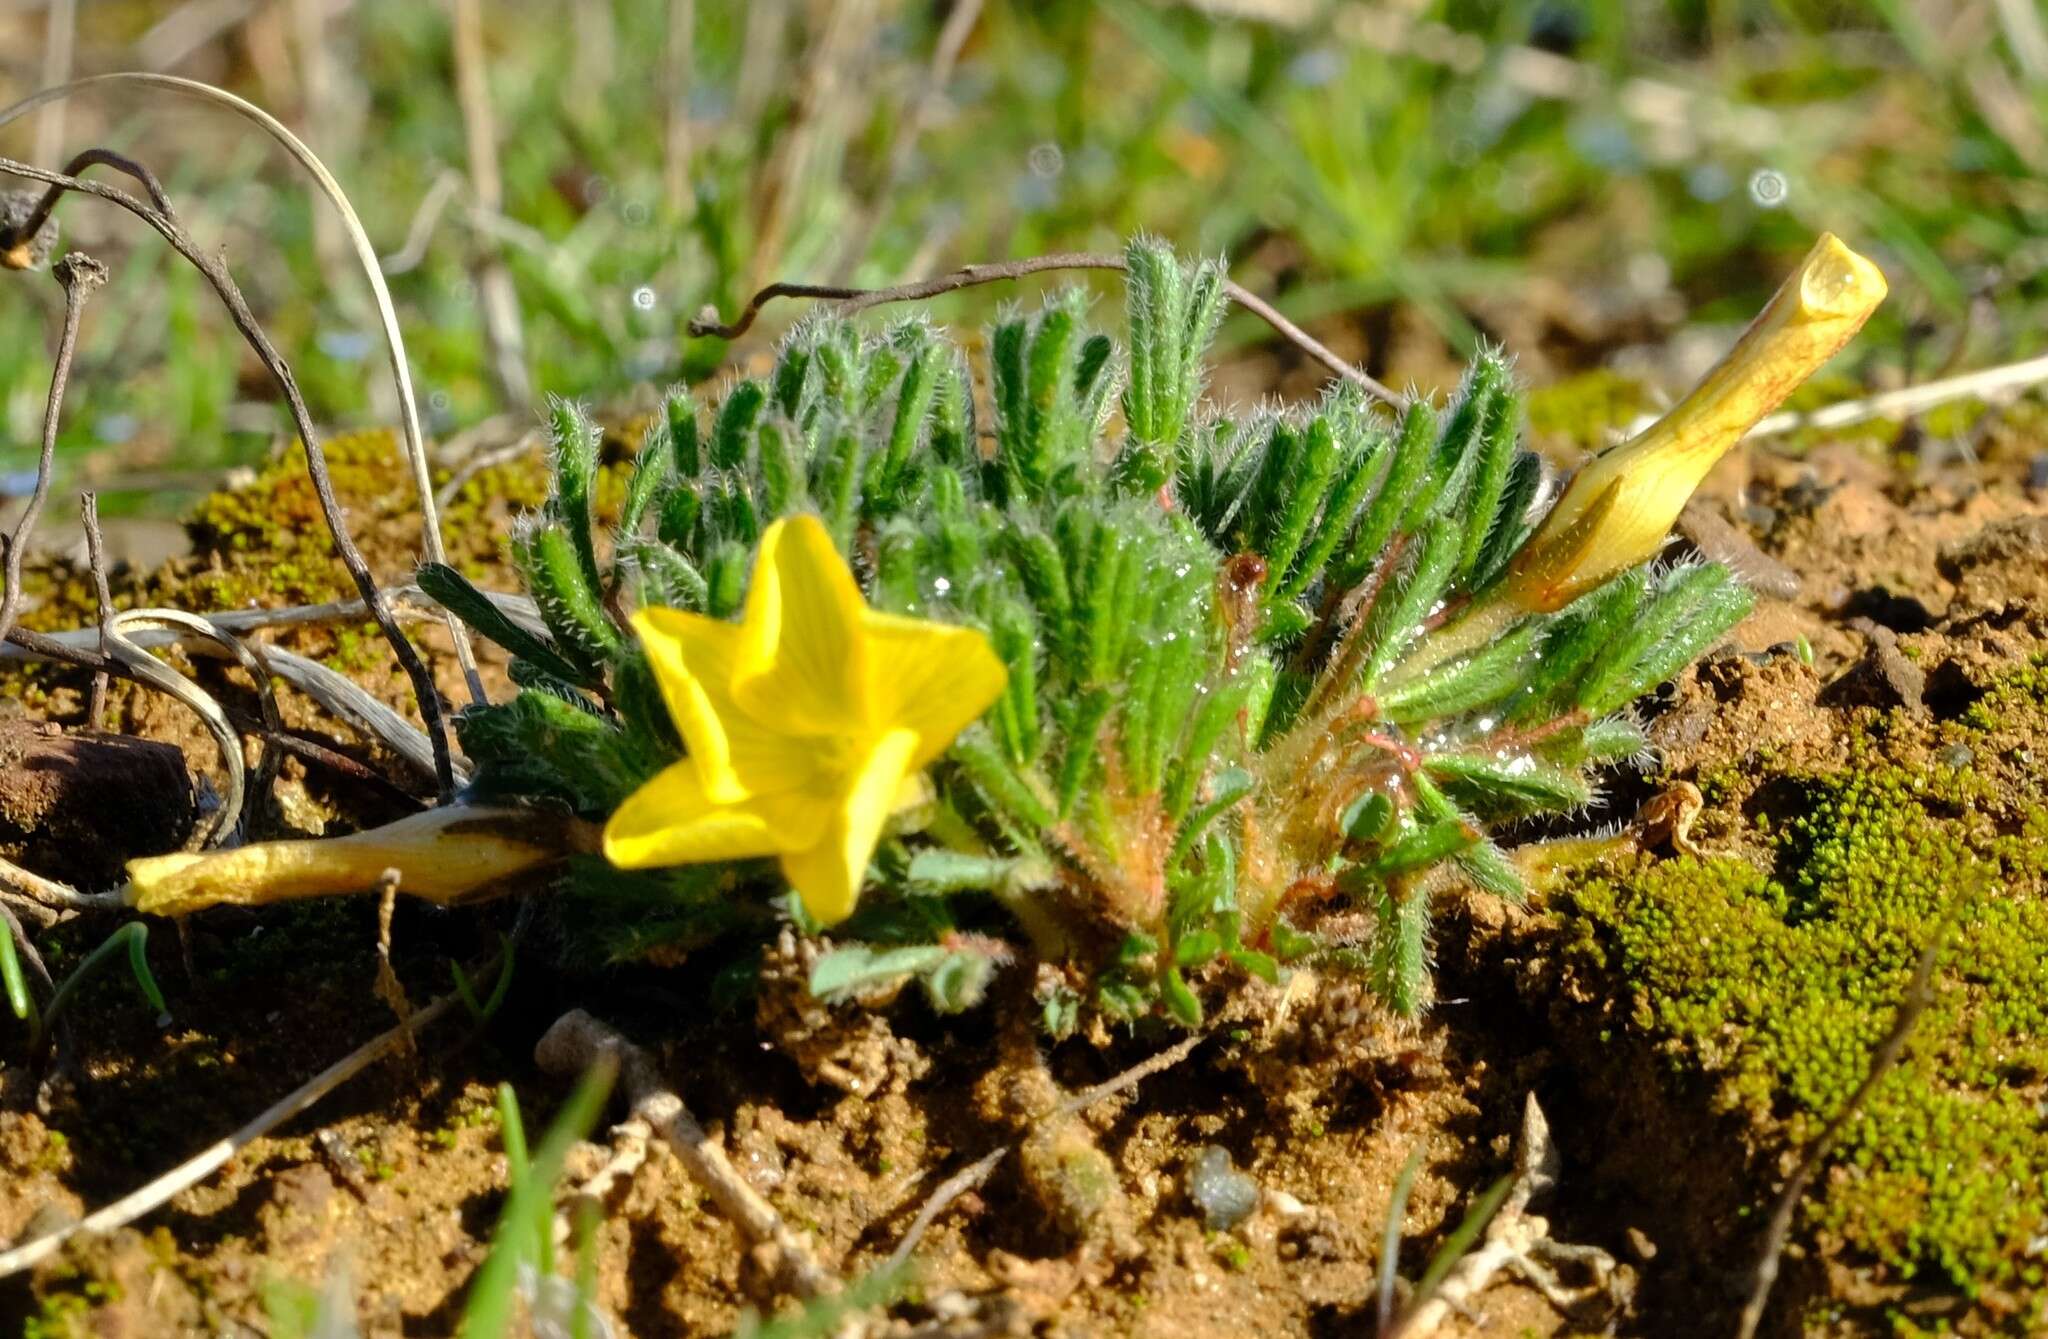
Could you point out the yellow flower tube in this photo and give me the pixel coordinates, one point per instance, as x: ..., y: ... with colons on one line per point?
x: 1619, y: 508
x: 443, y: 855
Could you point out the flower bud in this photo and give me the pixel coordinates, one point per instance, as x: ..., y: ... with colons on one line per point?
x: 1619, y: 508
x: 444, y: 855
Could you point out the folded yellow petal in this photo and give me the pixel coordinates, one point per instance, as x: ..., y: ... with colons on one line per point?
x: 828, y: 874
x: 807, y: 724
x: 672, y: 821
x: 803, y: 661
x: 1640, y: 487
x: 929, y: 677
x: 735, y: 754
x: 444, y: 855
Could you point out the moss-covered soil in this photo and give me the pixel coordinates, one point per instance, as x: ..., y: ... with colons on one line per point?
x: 1690, y: 1002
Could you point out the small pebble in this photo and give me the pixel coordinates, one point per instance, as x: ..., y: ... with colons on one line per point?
x: 1225, y: 1195
x: 1283, y: 1205
x: 2037, y: 470
x: 1957, y: 756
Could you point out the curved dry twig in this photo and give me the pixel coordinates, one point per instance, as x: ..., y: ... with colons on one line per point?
x: 333, y: 692
x: 28, y: 888
x: 853, y: 300
x: 146, y: 668
x: 103, y: 599
x: 224, y: 286
x: 366, y: 258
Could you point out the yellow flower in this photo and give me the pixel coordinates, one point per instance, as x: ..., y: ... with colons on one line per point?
x: 806, y: 722
x: 443, y: 855
x: 1619, y: 508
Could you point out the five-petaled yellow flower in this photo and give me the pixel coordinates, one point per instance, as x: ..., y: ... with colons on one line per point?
x: 1618, y: 510
x: 804, y: 722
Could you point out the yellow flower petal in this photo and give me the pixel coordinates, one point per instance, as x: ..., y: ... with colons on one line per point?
x: 672, y: 820
x: 802, y: 663
x: 735, y: 755
x: 929, y: 677
x: 828, y: 875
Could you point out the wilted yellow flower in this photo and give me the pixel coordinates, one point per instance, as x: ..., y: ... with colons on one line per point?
x: 807, y: 722
x: 443, y: 855
x: 1619, y: 508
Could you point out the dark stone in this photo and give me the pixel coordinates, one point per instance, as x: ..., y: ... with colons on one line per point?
x: 1883, y: 678
x: 1900, y: 613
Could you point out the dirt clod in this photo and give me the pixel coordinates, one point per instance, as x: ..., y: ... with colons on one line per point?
x: 76, y: 806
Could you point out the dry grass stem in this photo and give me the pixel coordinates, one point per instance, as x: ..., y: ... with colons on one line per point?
x: 103, y: 600
x: 197, y: 1168
x: 853, y: 300
x: 333, y: 691
x: 60, y: 36
x: 238, y: 802
x: 945, y: 54
x: 498, y: 298
x: 1514, y: 1241
x: 387, y: 314
x: 678, y: 52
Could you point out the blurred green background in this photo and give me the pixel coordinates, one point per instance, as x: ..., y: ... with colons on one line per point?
x: 1607, y: 186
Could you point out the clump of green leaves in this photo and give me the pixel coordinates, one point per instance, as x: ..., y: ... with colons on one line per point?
x: 1258, y: 669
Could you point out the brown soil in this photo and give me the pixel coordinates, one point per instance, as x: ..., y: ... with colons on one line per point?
x: 847, y: 1119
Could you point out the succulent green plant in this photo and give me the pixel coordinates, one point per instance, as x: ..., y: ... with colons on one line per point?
x: 1259, y: 669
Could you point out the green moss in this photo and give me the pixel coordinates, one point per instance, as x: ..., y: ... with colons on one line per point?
x: 1587, y: 410
x: 267, y: 543
x: 1780, y: 981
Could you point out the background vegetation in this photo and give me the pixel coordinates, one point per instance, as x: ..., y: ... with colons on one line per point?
x: 1581, y: 181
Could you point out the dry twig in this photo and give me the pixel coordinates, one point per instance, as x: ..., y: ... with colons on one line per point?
x: 952, y: 1188
x: 629, y: 1152
x: 60, y: 34
x: 678, y: 50
x: 816, y: 110
x: 29, y: 889
x: 103, y: 599
x: 334, y: 692
x: 1919, y: 994
x: 197, y: 1168
x: 238, y: 803
x: 578, y: 1039
x: 26, y: 946
x: 80, y: 274
x: 945, y: 53
x: 230, y: 294
x: 366, y: 258
x: 853, y: 300
x: 1513, y: 1240
x: 974, y: 1173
